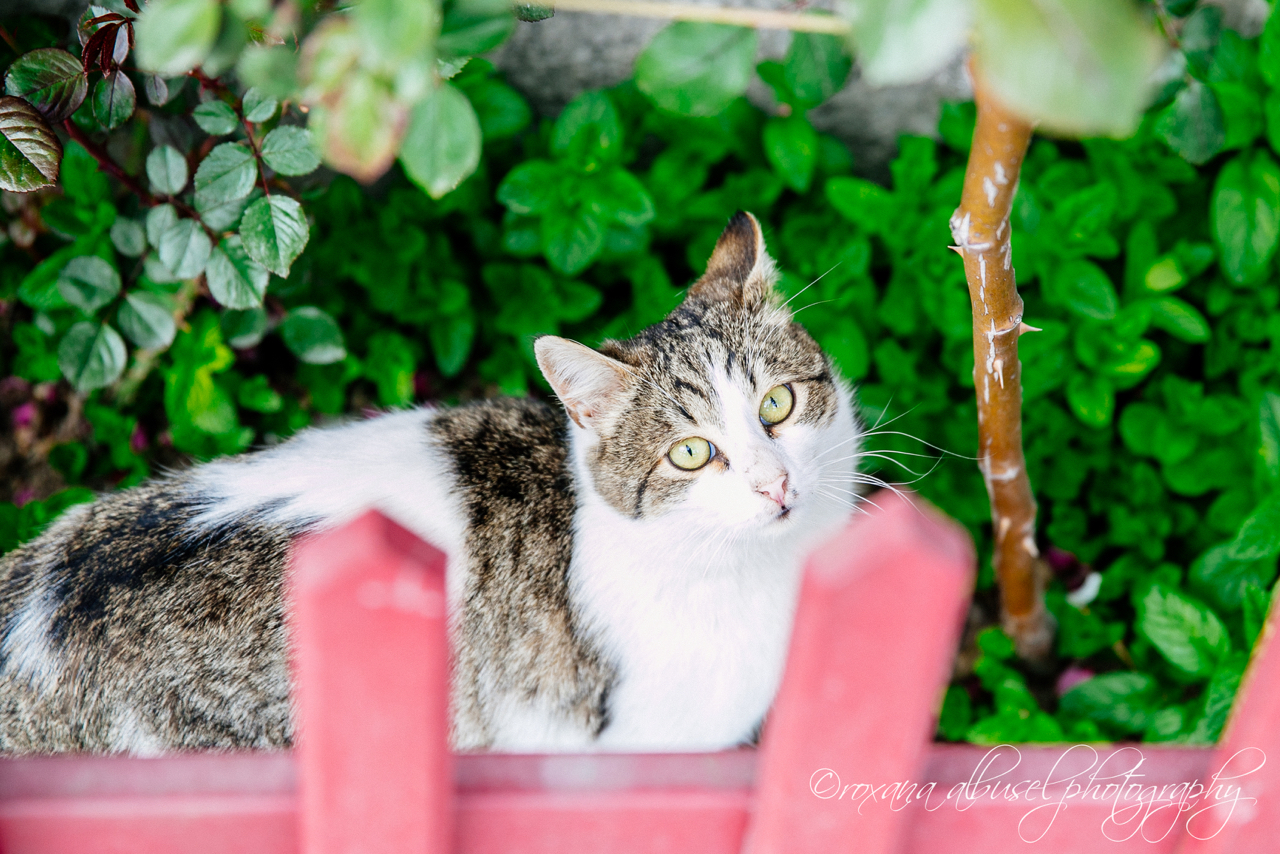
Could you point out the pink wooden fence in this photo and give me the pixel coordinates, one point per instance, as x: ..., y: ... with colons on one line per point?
x: 877, y: 626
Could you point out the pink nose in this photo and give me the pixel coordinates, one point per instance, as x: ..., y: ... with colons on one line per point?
x: 775, y: 491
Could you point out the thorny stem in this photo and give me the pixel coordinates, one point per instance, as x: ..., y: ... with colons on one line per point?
x: 980, y: 227
x: 106, y: 163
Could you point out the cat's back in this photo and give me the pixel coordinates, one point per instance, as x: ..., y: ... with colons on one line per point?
x: 120, y: 623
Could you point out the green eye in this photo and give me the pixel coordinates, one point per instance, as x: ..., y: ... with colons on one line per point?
x: 776, y: 405
x: 691, y: 454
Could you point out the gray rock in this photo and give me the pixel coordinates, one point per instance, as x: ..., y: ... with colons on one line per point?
x: 554, y: 60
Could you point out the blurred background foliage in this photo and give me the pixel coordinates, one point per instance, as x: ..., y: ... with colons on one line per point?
x: 1152, y: 420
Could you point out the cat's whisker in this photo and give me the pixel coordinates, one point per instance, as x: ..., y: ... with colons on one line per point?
x: 921, y: 441
x: 812, y: 304
x: 843, y: 501
x: 836, y: 446
x: 885, y: 412
x: 811, y: 284
x: 898, y: 463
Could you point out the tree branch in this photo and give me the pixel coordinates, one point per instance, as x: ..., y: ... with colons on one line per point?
x: 980, y: 227
x: 762, y: 19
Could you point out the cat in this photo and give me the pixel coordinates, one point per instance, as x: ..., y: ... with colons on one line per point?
x: 622, y: 574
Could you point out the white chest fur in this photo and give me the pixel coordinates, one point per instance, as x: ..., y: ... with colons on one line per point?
x: 698, y: 629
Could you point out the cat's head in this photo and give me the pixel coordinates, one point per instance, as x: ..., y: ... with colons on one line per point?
x: 727, y: 412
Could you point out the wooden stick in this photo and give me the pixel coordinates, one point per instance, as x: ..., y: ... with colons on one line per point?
x: 980, y: 227
x: 761, y: 19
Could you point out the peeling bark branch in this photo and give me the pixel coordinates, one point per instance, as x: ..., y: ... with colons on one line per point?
x: 980, y: 227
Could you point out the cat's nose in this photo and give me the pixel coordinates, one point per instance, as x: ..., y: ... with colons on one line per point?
x: 775, y: 491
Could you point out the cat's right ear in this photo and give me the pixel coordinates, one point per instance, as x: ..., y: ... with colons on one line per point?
x: 589, y: 384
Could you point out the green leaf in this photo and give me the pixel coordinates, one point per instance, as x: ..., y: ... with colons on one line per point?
x: 275, y: 232
x: 158, y: 90
x: 216, y: 117
x: 442, y: 145
x: 957, y: 714
x: 572, y: 239
x: 49, y: 79
x: 174, y: 36
x: 474, y: 26
x: 1186, y: 632
x: 1257, y: 603
x: 91, y: 355
x: 1164, y: 275
x: 225, y: 216
x: 1078, y: 67
x: 1269, y: 51
x: 1269, y: 424
x: 227, y: 174
x: 361, y: 132
x: 272, y: 69
x: 1193, y: 125
x: 244, y: 328
x: 451, y: 339
x: 588, y: 131
x: 391, y: 363
x: 791, y: 144
x: 862, y: 202
x: 532, y: 187
x: 159, y: 220
x: 1125, y: 701
x: 1180, y: 319
x: 147, y: 319
x: 82, y: 180
x: 313, y: 336
x: 114, y: 100
x: 258, y: 395
x: 290, y: 150
x: 29, y: 150
x: 235, y: 280
x: 1218, y: 697
x: 166, y: 170
x: 1086, y: 290
x: 1245, y: 215
x: 128, y: 237
x: 816, y: 67
x: 1259, y: 536
x: 88, y: 283
x: 1242, y: 110
x: 906, y: 42
x: 696, y: 69
x: 1092, y: 399
x: 184, y: 248
x: 994, y: 642
x: 258, y: 107
x: 533, y: 12
x: 1225, y: 577
x: 502, y: 111
x: 1198, y: 37
x: 620, y: 195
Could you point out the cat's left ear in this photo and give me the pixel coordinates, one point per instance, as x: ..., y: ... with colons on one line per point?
x: 589, y: 384
x: 740, y: 270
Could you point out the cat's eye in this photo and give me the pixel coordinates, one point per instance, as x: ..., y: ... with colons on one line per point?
x: 691, y: 454
x: 776, y: 405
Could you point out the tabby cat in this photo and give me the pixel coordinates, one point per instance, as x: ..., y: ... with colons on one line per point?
x: 622, y: 573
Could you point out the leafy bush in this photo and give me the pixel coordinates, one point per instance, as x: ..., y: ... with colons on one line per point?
x: 1152, y: 423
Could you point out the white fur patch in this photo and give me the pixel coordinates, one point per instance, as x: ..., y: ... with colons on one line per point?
x: 130, y: 735
x: 695, y: 607
x: 331, y: 475
x: 28, y: 652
